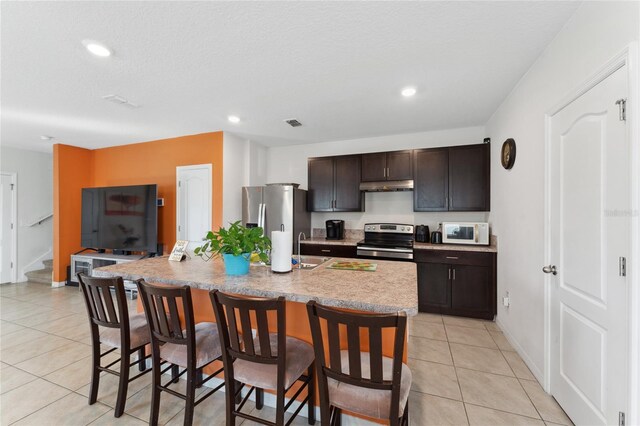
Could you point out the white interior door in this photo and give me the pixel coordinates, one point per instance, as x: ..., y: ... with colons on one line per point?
x: 589, y: 224
x: 7, y: 229
x: 194, y: 193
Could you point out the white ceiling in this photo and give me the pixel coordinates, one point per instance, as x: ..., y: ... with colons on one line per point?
x: 336, y: 66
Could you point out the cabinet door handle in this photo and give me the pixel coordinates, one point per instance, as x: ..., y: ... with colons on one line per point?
x: 449, y: 273
x: 388, y: 172
x: 452, y: 257
x: 454, y: 273
x: 384, y: 172
x: 325, y: 251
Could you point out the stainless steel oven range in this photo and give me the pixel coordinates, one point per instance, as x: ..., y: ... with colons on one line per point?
x: 392, y: 241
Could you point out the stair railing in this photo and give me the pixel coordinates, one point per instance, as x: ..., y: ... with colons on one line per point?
x: 39, y: 220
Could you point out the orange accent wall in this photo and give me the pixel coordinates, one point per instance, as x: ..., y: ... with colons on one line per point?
x: 72, y: 171
x: 135, y: 164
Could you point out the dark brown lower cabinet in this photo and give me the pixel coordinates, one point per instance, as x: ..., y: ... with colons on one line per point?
x: 329, y: 250
x: 457, y: 283
x: 434, y: 287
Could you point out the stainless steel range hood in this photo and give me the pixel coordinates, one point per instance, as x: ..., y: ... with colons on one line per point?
x: 387, y: 186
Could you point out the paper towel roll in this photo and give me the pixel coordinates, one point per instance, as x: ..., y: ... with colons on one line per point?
x: 281, y: 245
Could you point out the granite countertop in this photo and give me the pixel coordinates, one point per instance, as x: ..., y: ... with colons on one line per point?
x: 455, y: 247
x: 493, y: 248
x: 392, y: 288
x: 322, y: 240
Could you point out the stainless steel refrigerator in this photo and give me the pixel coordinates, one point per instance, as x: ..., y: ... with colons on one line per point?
x: 272, y: 206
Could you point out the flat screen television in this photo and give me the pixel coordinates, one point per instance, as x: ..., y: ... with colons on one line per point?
x: 120, y: 218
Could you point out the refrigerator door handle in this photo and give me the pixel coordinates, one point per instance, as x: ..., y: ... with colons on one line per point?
x: 262, y: 217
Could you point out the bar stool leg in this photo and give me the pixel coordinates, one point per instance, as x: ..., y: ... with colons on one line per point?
x: 155, y: 392
x: 142, y: 364
x: 259, y: 398
x: 123, y: 383
x: 311, y: 391
x: 236, y: 385
x: 280, y: 408
x: 199, y: 377
x: 95, y: 373
x: 175, y: 371
x: 337, y: 416
x: 229, y: 395
x: 191, y: 396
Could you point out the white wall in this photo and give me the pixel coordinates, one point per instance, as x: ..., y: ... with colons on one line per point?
x: 244, y: 164
x: 256, y: 164
x: 35, y: 200
x: 289, y: 164
x: 596, y: 32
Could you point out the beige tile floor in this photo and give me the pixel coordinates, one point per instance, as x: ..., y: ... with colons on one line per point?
x: 464, y: 372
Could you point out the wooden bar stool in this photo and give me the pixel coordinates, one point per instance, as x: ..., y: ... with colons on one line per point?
x: 366, y: 383
x: 185, y: 344
x: 111, y: 325
x: 268, y: 361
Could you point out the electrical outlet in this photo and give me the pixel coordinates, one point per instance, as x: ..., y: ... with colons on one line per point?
x: 506, y: 301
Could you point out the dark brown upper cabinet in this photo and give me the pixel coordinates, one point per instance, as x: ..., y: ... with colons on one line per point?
x: 431, y: 180
x: 452, y: 179
x: 379, y: 166
x: 334, y: 184
x: 469, y: 188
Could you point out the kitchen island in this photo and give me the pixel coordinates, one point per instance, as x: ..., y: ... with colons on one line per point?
x: 391, y: 288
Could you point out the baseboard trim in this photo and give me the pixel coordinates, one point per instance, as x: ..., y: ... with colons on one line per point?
x: 57, y: 284
x: 538, y: 374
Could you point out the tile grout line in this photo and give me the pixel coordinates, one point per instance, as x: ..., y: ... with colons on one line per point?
x: 33, y: 412
x: 46, y: 352
x: 543, y: 419
x: 455, y: 371
x: 503, y: 411
x: 467, y: 368
x: 522, y: 387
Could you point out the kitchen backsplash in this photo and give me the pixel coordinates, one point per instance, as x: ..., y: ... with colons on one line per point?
x: 394, y: 207
x: 349, y: 234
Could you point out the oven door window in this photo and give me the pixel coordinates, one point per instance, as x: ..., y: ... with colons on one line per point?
x: 456, y: 232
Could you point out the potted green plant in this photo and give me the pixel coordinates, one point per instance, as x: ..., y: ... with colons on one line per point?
x: 236, y: 245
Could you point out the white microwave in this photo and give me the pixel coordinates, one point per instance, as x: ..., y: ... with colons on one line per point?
x: 476, y: 233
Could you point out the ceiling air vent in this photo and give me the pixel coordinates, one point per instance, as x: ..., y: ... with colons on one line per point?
x: 119, y: 100
x: 293, y: 122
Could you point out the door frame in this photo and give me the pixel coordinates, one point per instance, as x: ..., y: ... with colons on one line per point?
x: 209, y: 167
x: 627, y: 57
x: 14, y: 220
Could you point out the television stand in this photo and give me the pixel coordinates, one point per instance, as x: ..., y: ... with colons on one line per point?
x: 87, y: 262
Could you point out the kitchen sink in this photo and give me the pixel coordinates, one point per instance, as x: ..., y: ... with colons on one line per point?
x: 310, y: 262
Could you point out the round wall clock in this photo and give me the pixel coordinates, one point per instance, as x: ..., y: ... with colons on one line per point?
x: 508, y: 155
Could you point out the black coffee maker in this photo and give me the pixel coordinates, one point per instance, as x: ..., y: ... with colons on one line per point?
x: 422, y: 234
x: 335, y: 229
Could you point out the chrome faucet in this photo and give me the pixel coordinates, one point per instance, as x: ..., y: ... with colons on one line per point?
x: 301, y: 236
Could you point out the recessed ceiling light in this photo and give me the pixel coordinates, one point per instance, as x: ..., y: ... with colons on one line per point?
x: 408, y: 92
x: 234, y: 119
x: 46, y: 137
x: 96, y: 48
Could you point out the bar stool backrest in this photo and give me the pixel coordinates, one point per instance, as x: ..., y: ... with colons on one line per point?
x: 237, y: 336
x: 163, y: 306
x: 336, y: 321
x: 101, y: 308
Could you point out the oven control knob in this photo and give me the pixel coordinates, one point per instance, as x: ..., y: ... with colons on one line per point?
x: 402, y: 229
